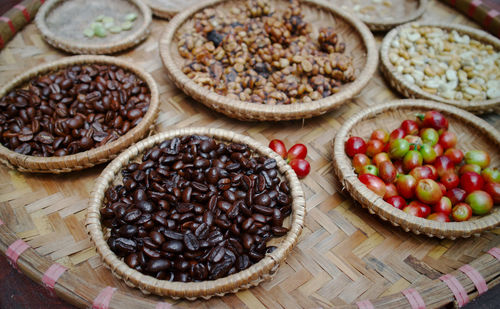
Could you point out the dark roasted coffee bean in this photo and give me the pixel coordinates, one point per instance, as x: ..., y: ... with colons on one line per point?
x: 173, y: 235
x: 279, y: 231
x: 132, y: 215
x: 157, y: 237
x: 128, y: 230
x: 191, y: 242
x: 263, y: 209
x: 125, y: 244
x: 173, y: 246
x: 158, y: 265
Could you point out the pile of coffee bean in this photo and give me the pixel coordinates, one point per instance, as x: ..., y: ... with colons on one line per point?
x: 194, y: 209
x: 72, y: 110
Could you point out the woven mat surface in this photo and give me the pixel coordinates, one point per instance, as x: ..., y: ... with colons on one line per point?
x: 344, y: 254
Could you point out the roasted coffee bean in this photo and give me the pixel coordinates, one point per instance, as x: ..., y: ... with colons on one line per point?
x: 127, y: 230
x: 152, y: 253
x: 173, y: 235
x: 173, y: 246
x: 132, y: 260
x: 158, y: 265
x: 204, y: 205
x: 157, y: 237
x: 125, y: 244
x: 132, y: 215
x: 191, y: 242
x: 279, y: 231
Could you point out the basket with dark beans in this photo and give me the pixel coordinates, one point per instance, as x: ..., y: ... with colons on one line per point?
x: 204, y: 206
x: 74, y: 106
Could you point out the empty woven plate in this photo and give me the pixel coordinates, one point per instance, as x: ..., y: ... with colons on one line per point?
x: 380, y: 15
x: 63, y: 23
x: 168, y: 8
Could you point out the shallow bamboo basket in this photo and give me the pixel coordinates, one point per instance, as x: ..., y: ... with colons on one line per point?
x: 384, y: 24
x: 61, y: 24
x: 252, y: 276
x: 89, y: 158
x: 168, y: 8
x: 472, y: 133
x: 360, y: 45
x: 411, y: 90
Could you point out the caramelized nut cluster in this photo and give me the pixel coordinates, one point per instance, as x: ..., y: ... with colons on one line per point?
x: 253, y: 53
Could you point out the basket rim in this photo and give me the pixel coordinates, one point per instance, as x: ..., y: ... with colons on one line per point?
x: 206, y: 289
x: 253, y: 111
x: 160, y: 11
x: 76, y: 47
x: 415, y: 91
x: 381, y: 25
x: 93, y: 156
x: 368, y: 199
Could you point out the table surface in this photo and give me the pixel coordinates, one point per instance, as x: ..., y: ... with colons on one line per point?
x: 344, y: 254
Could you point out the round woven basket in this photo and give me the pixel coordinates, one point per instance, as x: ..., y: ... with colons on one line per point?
x: 472, y: 132
x: 386, y: 24
x: 168, y: 8
x: 360, y: 44
x: 93, y: 156
x: 62, y: 23
x: 252, y: 276
x: 411, y: 90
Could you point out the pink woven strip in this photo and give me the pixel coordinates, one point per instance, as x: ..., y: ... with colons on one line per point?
x: 15, y: 250
x: 1, y: 222
x: 104, y: 298
x: 475, y: 277
x: 457, y: 289
x: 495, y: 252
x: 413, y: 296
x: 51, y: 276
x: 472, y: 7
x: 491, y: 14
x: 8, y: 21
x: 365, y: 304
x: 163, y: 306
x: 23, y: 10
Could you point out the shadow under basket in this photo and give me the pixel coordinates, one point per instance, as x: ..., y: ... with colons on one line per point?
x: 252, y: 276
x: 472, y: 133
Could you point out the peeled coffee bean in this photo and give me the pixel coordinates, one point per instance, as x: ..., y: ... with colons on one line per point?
x: 194, y: 209
x: 72, y: 110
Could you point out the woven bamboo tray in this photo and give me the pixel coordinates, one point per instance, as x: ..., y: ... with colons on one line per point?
x: 62, y: 23
x: 252, y: 276
x: 168, y: 8
x: 90, y: 157
x: 360, y: 44
x: 402, y: 11
x: 472, y: 132
x: 344, y: 254
x: 411, y: 90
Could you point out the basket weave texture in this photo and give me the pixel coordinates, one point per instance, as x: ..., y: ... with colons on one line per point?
x: 252, y: 276
x: 89, y: 158
x: 360, y: 44
x: 472, y: 132
x: 411, y: 90
x: 66, y: 38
